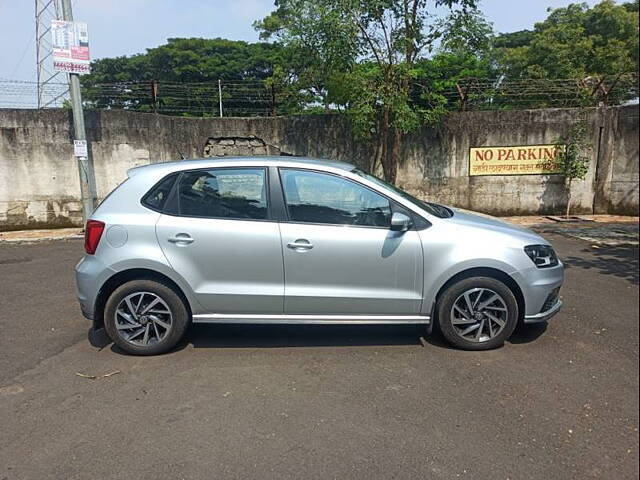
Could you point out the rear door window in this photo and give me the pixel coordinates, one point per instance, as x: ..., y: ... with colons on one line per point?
x: 238, y: 193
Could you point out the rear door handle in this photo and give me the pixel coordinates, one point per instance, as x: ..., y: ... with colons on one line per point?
x: 181, y: 238
x: 300, y: 244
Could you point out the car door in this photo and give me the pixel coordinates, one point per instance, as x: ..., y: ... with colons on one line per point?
x: 340, y: 256
x: 221, y: 239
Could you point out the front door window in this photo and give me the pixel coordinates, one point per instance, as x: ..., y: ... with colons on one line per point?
x: 314, y: 197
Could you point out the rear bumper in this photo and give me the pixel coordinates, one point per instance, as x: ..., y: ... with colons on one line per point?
x: 91, y: 274
x: 544, y: 316
x: 88, y: 314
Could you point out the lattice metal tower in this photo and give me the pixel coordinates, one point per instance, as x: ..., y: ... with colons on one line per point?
x: 52, y: 86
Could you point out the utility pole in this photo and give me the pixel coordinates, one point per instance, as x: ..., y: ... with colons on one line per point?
x: 85, y: 163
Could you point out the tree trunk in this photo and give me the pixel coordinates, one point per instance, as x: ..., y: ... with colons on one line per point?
x: 384, y: 141
x: 377, y: 156
x: 325, y: 101
x: 568, y: 200
x: 394, y: 157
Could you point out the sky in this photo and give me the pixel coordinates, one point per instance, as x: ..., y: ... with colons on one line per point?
x: 125, y: 27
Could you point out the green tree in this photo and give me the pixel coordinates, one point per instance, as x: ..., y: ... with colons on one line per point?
x: 510, y: 40
x: 466, y: 32
x: 190, y: 60
x: 318, y: 43
x: 185, y: 61
x: 575, y: 42
x: 465, y: 53
x: 380, y: 40
x: 573, y: 157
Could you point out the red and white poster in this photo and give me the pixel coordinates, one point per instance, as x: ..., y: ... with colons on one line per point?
x: 70, y: 42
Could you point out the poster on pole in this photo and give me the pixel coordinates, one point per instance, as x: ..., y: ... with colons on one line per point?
x: 80, y: 148
x: 70, y: 41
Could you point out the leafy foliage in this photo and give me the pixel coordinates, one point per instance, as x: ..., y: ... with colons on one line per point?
x: 574, y: 42
x: 362, y: 54
x: 182, y: 60
x: 573, y: 155
x: 190, y: 60
x: 391, y: 65
x: 465, y: 52
x: 318, y: 44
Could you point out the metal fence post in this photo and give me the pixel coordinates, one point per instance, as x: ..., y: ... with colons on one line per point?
x: 154, y: 95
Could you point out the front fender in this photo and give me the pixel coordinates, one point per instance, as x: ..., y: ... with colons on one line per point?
x: 437, y: 279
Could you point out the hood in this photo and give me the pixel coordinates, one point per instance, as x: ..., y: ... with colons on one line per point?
x: 467, y: 218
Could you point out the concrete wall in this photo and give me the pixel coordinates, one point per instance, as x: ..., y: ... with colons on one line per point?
x: 437, y: 162
x: 39, y: 181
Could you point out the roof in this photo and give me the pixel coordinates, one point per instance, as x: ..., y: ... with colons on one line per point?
x: 241, y: 161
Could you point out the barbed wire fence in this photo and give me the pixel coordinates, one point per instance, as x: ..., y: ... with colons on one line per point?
x: 491, y: 94
x: 239, y: 98
x: 247, y: 98
x: 24, y: 94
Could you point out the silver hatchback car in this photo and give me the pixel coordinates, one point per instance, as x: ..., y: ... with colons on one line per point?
x: 300, y: 241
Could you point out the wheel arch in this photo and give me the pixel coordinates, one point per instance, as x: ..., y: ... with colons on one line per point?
x: 125, y: 276
x: 483, y: 272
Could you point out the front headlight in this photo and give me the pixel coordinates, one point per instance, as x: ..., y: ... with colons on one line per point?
x: 542, y: 255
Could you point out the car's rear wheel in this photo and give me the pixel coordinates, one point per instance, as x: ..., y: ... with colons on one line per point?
x: 144, y: 317
x: 477, y: 313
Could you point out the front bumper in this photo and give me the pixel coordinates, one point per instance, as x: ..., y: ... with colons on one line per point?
x: 540, y: 288
x: 544, y: 316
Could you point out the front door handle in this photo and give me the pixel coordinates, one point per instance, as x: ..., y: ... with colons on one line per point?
x: 300, y: 244
x: 181, y: 239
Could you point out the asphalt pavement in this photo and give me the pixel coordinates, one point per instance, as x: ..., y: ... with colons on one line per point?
x: 557, y: 401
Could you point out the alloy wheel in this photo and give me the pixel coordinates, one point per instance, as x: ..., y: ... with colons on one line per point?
x: 143, y: 318
x: 479, y: 314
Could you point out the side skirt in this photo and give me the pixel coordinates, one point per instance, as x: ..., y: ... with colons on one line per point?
x: 311, y: 319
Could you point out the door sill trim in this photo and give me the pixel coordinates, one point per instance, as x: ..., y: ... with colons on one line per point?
x: 311, y: 319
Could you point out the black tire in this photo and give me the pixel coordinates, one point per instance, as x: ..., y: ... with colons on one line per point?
x: 180, y: 317
x: 455, y: 291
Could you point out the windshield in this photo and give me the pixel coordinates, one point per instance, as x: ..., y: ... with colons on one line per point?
x: 433, y: 208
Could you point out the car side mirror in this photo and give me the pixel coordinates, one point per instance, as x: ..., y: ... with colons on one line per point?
x: 400, y: 222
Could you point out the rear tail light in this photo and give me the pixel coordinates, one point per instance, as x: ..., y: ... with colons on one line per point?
x: 92, y: 233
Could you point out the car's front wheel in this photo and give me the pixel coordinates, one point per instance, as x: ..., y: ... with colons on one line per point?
x: 145, y: 317
x: 477, y: 313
